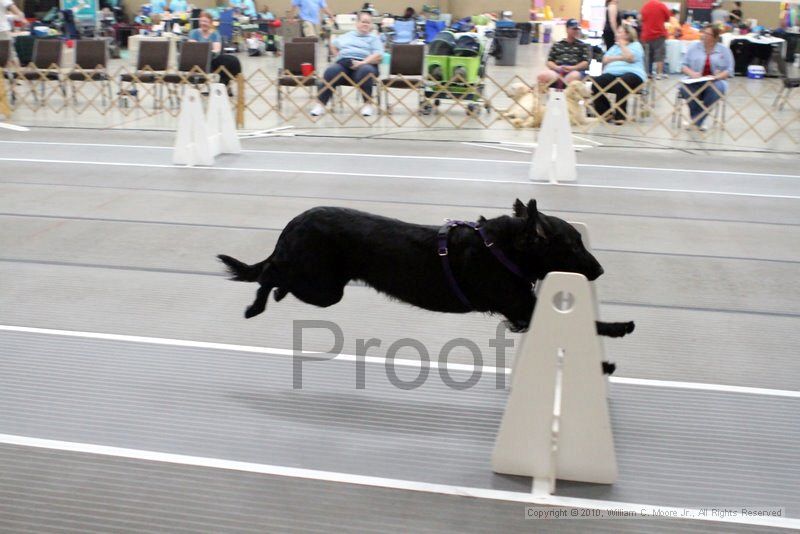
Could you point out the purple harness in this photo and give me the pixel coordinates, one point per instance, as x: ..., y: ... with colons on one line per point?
x: 444, y: 230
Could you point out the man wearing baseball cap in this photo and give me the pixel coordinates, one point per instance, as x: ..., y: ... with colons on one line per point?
x: 568, y: 59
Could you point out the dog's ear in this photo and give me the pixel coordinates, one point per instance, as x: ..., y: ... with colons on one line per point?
x: 481, y: 219
x: 519, y: 209
x: 536, y: 220
x: 531, y: 210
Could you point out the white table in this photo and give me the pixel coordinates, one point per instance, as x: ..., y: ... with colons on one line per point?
x: 675, y: 51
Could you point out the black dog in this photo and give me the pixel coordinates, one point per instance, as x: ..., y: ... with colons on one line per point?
x: 324, y: 248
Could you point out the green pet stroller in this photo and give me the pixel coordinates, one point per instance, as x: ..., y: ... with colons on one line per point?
x: 455, y: 67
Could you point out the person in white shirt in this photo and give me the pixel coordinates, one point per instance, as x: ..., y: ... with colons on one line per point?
x: 6, y: 7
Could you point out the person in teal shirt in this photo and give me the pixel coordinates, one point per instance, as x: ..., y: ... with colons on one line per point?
x: 178, y: 6
x: 248, y: 8
x: 623, y: 72
x: 157, y: 7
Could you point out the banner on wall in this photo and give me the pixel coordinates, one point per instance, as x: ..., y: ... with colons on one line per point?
x: 699, y: 4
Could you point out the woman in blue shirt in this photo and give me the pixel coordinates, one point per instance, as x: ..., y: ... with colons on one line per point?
x: 706, y: 57
x: 358, y: 54
x: 229, y: 65
x: 623, y: 72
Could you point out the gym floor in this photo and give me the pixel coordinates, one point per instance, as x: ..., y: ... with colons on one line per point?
x: 134, y: 396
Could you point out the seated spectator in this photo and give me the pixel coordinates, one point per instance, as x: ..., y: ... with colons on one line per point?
x: 706, y: 58
x: 623, y: 71
x: 568, y: 59
x: 207, y: 34
x: 358, y: 54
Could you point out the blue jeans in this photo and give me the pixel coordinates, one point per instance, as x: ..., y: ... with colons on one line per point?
x: 368, y: 73
x: 701, y: 92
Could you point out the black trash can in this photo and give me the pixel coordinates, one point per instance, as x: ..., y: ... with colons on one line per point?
x: 525, y: 29
x: 508, y: 41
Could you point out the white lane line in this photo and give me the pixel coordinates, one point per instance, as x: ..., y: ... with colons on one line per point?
x: 13, y: 127
x: 390, y: 483
x: 444, y: 158
x: 396, y: 176
x: 382, y: 360
x: 497, y: 147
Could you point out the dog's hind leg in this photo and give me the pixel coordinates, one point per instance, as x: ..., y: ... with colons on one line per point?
x: 279, y: 294
x: 614, y: 329
x: 266, y: 284
x: 260, y: 304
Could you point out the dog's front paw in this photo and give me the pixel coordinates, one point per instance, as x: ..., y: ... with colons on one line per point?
x: 251, y: 312
x: 615, y: 329
x: 517, y: 326
x: 609, y: 368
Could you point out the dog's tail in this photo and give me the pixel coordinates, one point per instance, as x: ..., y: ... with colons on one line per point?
x: 240, y: 271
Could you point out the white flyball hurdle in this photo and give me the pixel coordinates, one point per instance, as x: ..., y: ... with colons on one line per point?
x: 554, y: 158
x: 556, y: 424
x: 202, y: 136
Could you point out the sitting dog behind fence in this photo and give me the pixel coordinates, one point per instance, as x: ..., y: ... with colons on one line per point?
x: 324, y: 248
x: 528, y: 108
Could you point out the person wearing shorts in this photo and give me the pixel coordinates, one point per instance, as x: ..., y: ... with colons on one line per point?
x: 308, y: 11
x: 655, y: 16
x: 8, y: 6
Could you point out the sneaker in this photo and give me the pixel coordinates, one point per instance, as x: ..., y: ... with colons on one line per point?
x: 368, y: 110
x: 317, y: 110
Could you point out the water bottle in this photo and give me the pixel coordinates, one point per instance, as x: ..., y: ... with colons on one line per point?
x: 797, y: 60
x: 689, y: 18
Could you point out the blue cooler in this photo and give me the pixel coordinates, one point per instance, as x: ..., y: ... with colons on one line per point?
x: 756, y: 72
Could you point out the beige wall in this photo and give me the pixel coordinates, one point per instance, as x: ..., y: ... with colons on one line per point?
x: 767, y: 13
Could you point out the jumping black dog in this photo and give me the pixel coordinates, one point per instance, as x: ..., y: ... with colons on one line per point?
x: 324, y: 248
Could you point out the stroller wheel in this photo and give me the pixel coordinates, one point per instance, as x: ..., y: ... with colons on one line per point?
x: 426, y: 109
x: 473, y: 110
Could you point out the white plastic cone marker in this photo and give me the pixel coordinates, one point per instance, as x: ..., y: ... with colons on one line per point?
x: 556, y: 423
x: 554, y: 157
x: 191, y: 141
x: 584, y: 231
x: 221, y: 127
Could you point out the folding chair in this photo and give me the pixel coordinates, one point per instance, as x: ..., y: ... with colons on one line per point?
x: 291, y: 74
x: 406, y: 71
x: 91, y: 60
x: 194, y: 66
x: 150, y: 66
x: 717, y: 111
x: 787, y: 84
x: 44, y: 66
